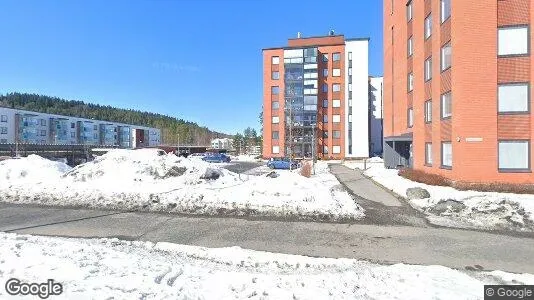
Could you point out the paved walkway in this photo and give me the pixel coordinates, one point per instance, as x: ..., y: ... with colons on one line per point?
x: 381, y: 206
x: 383, y: 244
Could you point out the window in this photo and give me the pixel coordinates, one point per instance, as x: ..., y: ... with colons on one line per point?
x: 336, y: 134
x: 410, y: 46
x: 514, y: 155
x: 410, y: 117
x: 446, y: 105
x: 325, y: 149
x: 275, y: 135
x: 43, y: 132
x: 350, y: 103
x: 428, y: 111
x: 73, y: 134
x: 325, y: 88
x: 3, y: 130
x: 513, y: 40
x: 325, y: 134
x: 325, y: 57
x: 428, y: 26
x: 325, y: 118
x: 428, y: 154
x: 95, y: 127
x: 446, y: 57
x: 336, y: 87
x: 3, y: 118
x: 336, y: 103
x: 410, y: 82
x: 350, y: 55
x: 446, y: 154
x: 275, y: 75
x: 3, y: 141
x: 275, y: 60
x: 445, y: 10
x: 350, y: 118
x: 336, y: 118
x: 276, y: 149
x: 350, y: 87
x: 336, y: 149
x: 275, y: 105
x: 336, y: 72
x: 514, y: 97
x: 350, y: 71
x: 325, y: 103
x: 276, y: 120
x: 336, y: 56
x: 72, y: 125
x: 409, y: 11
x: 428, y: 69
x: 275, y: 90
x: 325, y: 72
x: 43, y: 122
x: 95, y: 136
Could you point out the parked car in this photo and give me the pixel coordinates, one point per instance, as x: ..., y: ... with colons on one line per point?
x: 197, y: 155
x: 283, y: 164
x: 216, y: 157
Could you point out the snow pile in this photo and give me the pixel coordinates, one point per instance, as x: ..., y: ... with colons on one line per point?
x: 466, y: 209
x: 246, y: 158
x: 30, y: 169
x: 144, y: 180
x: 109, y: 268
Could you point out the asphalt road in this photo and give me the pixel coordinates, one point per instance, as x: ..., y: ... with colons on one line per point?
x: 242, y: 166
x: 392, y: 232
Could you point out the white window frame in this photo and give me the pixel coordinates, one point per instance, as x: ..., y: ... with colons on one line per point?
x: 410, y: 46
x: 276, y: 150
x: 521, y: 97
x: 275, y: 60
x: 277, y: 105
x: 428, y: 26
x: 508, y: 43
x: 410, y: 117
x: 428, y: 154
x: 410, y: 82
x: 443, y: 158
x: 336, y: 103
x: 505, y: 146
x: 443, y: 4
x: 325, y: 149
x: 276, y: 120
x: 273, y: 77
x: 3, y: 118
x: 445, y: 66
x: 338, y: 54
x: 336, y: 118
x: 336, y: 72
x: 444, y: 114
x: 336, y: 149
x: 350, y: 55
x: 428, y: 111
x: 409, y: 12
x: 325, y: 72
x: 428, y: 69
x: 334, y: 87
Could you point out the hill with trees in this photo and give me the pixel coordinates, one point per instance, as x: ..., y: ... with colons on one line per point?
x: 173, y: 130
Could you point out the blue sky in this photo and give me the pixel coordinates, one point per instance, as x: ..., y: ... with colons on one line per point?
x: 196, y: 60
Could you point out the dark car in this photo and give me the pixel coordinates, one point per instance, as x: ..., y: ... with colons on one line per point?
x: 216, y: 158
x: 283, y: 164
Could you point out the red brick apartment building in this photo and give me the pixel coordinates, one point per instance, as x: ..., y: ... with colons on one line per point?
x: 321, y: 85
x: 457, y: 88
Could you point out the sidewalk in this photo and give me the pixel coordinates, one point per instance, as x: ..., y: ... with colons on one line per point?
x: 381, y: 206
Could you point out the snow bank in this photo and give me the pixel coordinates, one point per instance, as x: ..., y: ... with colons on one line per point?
x: 246, y: 158
x: 30, y: 169
x: 109, y: 268
x: 144, y: 180
x: 482, y: 210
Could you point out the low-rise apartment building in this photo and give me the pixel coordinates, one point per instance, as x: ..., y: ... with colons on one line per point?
x: 28, y: 127
x: 457, y: 88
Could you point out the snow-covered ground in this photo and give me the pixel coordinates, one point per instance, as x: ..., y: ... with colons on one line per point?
x: 144, y: 180
x: 465, y: 209
x: 113, y: 269
x: 246, y: 158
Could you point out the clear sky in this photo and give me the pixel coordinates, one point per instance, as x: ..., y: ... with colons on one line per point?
x: 196, y: 60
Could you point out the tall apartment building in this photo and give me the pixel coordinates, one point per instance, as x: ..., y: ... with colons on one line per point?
x: 315, y: 98
x: 29, y: 127
x: 376, y: 113
x: 457, y: 96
